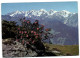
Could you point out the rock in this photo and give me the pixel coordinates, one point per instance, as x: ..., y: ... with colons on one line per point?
x: 56, y: 51
x: 16, y: 50
x: 31, y: 53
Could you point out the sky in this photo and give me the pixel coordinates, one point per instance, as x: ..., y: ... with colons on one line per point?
x: 58, y: 6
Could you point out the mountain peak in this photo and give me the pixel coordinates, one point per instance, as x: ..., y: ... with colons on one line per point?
x: 65, y: 11
x: 42, y: 10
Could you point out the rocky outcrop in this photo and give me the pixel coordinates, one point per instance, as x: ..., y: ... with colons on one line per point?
x: 15, y: 49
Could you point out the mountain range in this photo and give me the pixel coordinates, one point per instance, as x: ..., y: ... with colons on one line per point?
x: 64, y: 24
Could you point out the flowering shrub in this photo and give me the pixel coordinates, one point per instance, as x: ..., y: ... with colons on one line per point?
x: 29, y: 33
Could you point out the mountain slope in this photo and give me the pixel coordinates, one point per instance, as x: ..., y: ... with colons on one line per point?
x: 63, y: 23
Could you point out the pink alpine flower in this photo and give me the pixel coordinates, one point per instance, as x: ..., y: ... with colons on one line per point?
x: 28, y: 22
x: 18, y: 28
x: 30, y: 39
x: 26, y: 35
x: 46, y: 29
x: 35, y: 22
x: 37, y: 28
x: 25, y: 32
x: 27, y: 42
x: 33, y: 41
x: 21, y: 36
x: 19, y: 31
x: 32, y: 31
x: 24, y: 21
x: 22, y: 32
x: 36, y: 37
x: 37, y: 34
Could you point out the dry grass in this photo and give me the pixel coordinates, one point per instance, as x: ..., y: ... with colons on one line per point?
x: 65, y: 49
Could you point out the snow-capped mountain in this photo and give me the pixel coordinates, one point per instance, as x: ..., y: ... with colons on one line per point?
x: 40, y: 12
x: 63, y: 23
x: 65, y: 16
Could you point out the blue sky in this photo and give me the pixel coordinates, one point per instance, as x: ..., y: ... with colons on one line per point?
x: 58, y: 6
